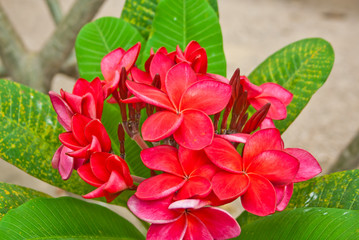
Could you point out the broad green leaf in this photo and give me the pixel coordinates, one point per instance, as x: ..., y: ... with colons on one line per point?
x: 98, y: 38
x: 29, y: 137
x: 12, y: 196
x: 336, y: 190
x: 305, y: 223
x: 65, y: 218
x: 301, y: 67
x: 140, y: 14
x: 179, y: 22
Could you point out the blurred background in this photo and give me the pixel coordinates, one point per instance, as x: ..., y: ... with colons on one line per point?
x: 252, y: 30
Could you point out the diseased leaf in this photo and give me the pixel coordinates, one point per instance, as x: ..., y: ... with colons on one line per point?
x: 12, y: 196
x: 65, y: 218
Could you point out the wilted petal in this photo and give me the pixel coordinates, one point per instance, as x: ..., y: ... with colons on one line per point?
x: 266, y: 139
x: 178, y: 79
x: 172, y: 231
x: 66, y: 164
x: 87, y: 175
x: 229, y: 185
x: 219, y: 223
x: 207, y: 96
x: 260, y: 197
x: 286, y: 195
x: 161, y: 125
x: 277, y: 110
x: 277, y: 91
x: 159, y: 186
x: 277, y: 166
x: 62, y: 110
x: 149, y: 94
x: 196, y: 130
x: 162, y: 158
x: 194, y: 187
x: 56, y: 158
x: 308, y: 165
x: 160, y: 64
x: 155, y: 211
x: 224, y: 155
x: 196, y: 230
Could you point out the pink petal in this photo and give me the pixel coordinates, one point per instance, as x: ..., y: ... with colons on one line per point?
x: 191, y: 160
x: 178, y: 79
x: 171, y: 231
x: 207, y: 96
x: 217, y: 77
x: 161, y: 125
x: 267, y: 123
x: 160, y: 64
x: 266, y: 139
x: 62, y: 110
x: 162, y: 158
x: 66, y: 164
x: 235, y: 137
x: 196, y: 230
x: 260, y: 197
x: 309, y: 166
x: 116, y: 183
x: 252, y: 89
x: 130, y: 56
x: 159, y: 186
x: 87, y: 175
x: 229, y: 185
x: 95, y: 128
x: 110, y: 86
x: 98, y: 165
x: 224, y: 155
x: 278, y: 167
x: 79, y: 122
x: 140, y: 76
x: 56, y: 158
x: 196, y: 130
x: 194, y: 187
x: 109, y: 63
x: 277, y: 91
x: 188, y: 203
x: 155, y: 211
x: 150, y: 95
x: 277, y: 110
x: 220, y: 224
x: 287, y: 194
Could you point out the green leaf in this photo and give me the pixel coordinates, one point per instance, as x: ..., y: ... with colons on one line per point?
x: 301, y: 67
x: 12, y: 196
x: 98, y: 38
x: 305, y: 223
x: 336, y: 190
x: 29, y: 137
x: 65, y: 218
x: 140, y: 14
x: 179, y: 22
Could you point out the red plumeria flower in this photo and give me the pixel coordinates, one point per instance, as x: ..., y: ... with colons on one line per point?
x: 184, y: 219
x: 86, y: 98
x: 109, y: 173
x: 271, y: 93
x: 186, y: 107
x: 112, y: 64
x: 264, y: 165
x: 195, y: 55
x: 186, y: 172
x: 87, y: 136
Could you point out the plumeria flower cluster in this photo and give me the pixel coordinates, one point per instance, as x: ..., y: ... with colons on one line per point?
x: 202, y: 147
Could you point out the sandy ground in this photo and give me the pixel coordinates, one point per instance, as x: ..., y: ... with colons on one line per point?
x: 252, y: 30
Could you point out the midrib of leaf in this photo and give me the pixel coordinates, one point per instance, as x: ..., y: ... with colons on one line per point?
x: 184, y: 24
x: 102, y: 37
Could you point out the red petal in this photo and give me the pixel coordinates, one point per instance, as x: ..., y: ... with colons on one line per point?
x: 110, y: 86
x: 224, y: 155
x: 207, y: 96
x: 150, y: 95
x: 194, y: 187
x: 81, y: 153
x: 267, y: 123
x: 191, y: 160
x: 277, y: 91
x: 235, y: 137
x: 159, y: 186
x: 260, y: 197
x: 207, y: 171
x: 160, y: 64
x: 196, y: 130
x: 88, y: 106
x: 287, y: 194
x: 308, y: 165
x: 69, y: 141
x: 278, y: 167
x: 171, y: 231
x: 155, y: 211
x: 191, y: 47
x: 98, y: 93
x: 162, y: 158
x: 109, y: 63
x: 140, y: 76
x: 62, y: 110
x: 116, y: 183
x: 252, y: 89
x: 87, y: 175
x: 277, y: 110
x: 196, y: 230
x: 66, y: 164
x: 161, y: 125
x: 81, y: 87
x: 98, y: 192
x: 229, y: 185
x: 130, y: 56
x: 117, y: 164
x: 217, y: 77
x: 95, y: 128
x: 98, y: 165
x: 263, y: 140
x: 199, y: 60
x: 79, y: 122
x: 178, y: 79
x: 219, y: 223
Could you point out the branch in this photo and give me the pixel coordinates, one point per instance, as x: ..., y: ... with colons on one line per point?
x: 12, y: 49
x: 69, y: 68
x: 55, y: 10
x: 3, y: 72
x: 60, y: 44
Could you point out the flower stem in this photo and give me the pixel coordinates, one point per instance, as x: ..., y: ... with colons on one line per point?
x: 138, y: 179
x: 139, y: 140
